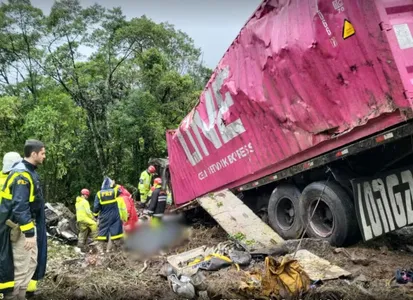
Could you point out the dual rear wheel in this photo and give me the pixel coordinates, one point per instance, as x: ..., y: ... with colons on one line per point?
x: 290, y: 212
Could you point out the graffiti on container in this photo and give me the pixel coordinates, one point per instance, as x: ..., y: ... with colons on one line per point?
x: 228, y: 160
x: 323, y: 20
x: 384, y: 202
x: 202, y: 129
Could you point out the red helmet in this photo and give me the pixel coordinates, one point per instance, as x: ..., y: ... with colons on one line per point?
x: 157, y: 181
x: 151, y: 169
x: 85, y: 192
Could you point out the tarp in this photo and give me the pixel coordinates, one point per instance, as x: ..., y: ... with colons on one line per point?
x: 299, y: 75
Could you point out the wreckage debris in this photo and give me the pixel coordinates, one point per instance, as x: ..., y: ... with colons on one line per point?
x: 61, y: 223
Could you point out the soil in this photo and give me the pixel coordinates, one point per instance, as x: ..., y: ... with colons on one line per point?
x: 71, y: 275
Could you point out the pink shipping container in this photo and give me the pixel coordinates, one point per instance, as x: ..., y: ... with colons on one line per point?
x: 301, y: 79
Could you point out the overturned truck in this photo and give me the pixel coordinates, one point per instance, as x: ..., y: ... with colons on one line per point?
x: 309, y: 115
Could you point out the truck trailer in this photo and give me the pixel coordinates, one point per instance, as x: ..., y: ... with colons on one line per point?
x: 308, y: 115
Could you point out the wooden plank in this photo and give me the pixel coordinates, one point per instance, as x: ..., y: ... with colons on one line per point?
x: 239, y: 221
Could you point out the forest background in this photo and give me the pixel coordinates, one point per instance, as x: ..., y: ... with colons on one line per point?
x: 100, y: 114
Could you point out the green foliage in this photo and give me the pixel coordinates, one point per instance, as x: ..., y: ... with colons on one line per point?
x: 103, y: 114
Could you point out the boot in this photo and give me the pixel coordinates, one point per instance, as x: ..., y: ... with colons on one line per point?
x: 22, y: 294
x: 101, y: 247
x: 11, y: 296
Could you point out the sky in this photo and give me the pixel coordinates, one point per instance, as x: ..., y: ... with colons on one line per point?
x: 212, y: 24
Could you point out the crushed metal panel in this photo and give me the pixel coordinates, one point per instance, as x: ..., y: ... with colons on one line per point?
x: 318, y: 268
x: 239, y: 221
x: 289, y: 85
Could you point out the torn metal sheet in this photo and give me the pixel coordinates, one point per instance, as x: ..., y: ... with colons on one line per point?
x: 318, y: 268
x: 239, y: 221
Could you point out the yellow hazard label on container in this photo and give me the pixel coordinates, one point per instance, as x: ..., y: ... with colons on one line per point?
x: 348, y: 29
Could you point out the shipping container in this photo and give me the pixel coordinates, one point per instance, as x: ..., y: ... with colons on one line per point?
x: 307, y: 88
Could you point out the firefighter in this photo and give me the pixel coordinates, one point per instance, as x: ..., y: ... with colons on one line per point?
x: 144, y: 185
x: 108, y: 206
x: 23, y: 240
x: 85, y: 220
x: 132, y: 219
x: 157, y: 205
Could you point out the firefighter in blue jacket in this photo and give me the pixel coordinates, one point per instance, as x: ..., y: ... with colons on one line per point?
x: 23, y: 240
x: 107, y: 208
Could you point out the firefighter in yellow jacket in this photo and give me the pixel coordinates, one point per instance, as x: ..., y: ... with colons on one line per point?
x: 144, y: 185
x: 86, y: 223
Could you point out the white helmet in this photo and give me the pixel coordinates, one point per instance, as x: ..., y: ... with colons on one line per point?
x: 9, y: 160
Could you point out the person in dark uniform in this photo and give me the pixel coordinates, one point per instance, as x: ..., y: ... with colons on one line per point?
x: 23, y: 239
x: 157, y: 205
x: 110, y: 220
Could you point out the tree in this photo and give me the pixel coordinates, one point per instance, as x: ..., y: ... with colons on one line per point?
x: 20, y: 35
x: 102, y: 113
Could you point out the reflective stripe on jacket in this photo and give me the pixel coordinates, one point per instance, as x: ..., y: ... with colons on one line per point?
x: 22, y: 203
x: 157, y: 205
x: 3, y: 178
x: 144, y: 185
x: 107, y: 206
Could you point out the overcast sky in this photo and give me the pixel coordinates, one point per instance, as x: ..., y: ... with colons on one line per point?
x: 213, y: 24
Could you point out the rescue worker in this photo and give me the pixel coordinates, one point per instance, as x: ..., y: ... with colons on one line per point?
x: 132, y: 220
x: 85, y: 220
x: 144, y: 185
x: 149, y: 197
x: 168, y: 196
x: 9, y: 160
x: 157, y: 205
x: 23, y: 240
x: 107, y: 207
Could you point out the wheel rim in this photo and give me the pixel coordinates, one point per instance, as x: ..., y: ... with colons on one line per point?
x: 285, y: 213
x: 322, y: 222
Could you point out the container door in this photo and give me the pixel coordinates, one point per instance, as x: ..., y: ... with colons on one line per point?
x: 397, y: 21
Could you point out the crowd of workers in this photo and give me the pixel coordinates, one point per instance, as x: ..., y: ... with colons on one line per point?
x: 23, y: 239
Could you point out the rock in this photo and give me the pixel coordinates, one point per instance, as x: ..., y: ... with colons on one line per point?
x: 384, y: 250
x: 361, y: 278
x: 360, y: 259
x: 79, y: 294
x: 240, y: 257
x: 203, y: 295
x: 338, y: 250
x: 166, y: 270
x: 355, y: 271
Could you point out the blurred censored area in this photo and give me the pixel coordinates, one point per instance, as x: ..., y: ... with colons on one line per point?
x: 152, y: 236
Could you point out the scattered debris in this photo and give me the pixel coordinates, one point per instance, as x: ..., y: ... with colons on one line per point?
x: 61, y: 223
x: 356, y: 258
x: 318, y: 268
x: 76, y: 275
x: 182, y: 286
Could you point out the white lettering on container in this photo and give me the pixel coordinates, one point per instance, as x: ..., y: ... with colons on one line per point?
x: 216, y: 120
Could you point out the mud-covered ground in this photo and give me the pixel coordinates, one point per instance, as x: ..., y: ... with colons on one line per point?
x: 118, y: 276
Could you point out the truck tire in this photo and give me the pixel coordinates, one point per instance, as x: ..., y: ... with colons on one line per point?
x: 283, y: 211
x: 334, y: 219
